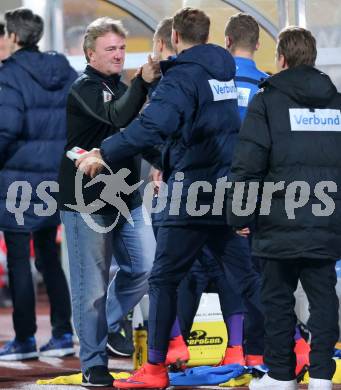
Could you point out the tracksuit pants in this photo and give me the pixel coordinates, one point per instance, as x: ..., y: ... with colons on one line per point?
x: 280, y: 280
x: 177, y: 249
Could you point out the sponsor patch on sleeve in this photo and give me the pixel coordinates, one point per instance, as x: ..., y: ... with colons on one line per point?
x: 107, y: 96
x: 303, y: 119
x: 243, y: 96
x: 223, y: 90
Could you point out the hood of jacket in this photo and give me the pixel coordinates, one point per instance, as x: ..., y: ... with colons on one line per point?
x: 51, y: 70
x: 304, y: 84
x: 217, y: 61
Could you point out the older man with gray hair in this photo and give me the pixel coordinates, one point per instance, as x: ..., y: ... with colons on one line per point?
x: 99, y: 105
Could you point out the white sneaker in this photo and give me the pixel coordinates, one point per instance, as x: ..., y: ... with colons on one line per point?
x: 267, y: 383
x: 320, y: 384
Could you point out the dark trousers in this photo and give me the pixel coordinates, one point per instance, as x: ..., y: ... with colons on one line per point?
x: 177, y: 249
x: 318, y: 280
x: 254, y: 319
x: 206, y: 273
x: 21, y: 283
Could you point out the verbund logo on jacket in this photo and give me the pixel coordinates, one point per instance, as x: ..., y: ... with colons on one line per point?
x: 303, y: 119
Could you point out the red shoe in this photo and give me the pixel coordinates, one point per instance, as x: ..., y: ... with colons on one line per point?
x: 302, y: 349
x: 234, y: 355
x: 178, y: 352
x: 254, y: 360
x: 149, y: 376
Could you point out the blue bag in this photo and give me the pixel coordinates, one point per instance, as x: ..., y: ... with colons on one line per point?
x: 206, y: 375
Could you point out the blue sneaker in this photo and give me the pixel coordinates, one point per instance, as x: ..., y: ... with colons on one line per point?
x: 58, y: 347
x: 19, y: 350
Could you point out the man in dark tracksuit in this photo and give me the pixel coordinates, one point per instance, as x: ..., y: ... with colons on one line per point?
x: 194, y: 113
x: 242, y: 40
x: 293, y: 133
x: 204, y: 272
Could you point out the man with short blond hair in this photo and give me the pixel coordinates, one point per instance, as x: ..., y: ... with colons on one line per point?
x: 99, y: 105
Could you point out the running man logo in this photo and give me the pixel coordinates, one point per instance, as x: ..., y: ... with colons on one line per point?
x: 200, y: 338
x: 114, y: 185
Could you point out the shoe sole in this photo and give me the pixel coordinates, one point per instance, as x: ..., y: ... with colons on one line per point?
x: 58, y: 352
x: 113, y: 350
x: 19, y: 356
x: 255, y: 386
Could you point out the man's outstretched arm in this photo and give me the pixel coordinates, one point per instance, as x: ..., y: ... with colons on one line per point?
x: 171, y: 105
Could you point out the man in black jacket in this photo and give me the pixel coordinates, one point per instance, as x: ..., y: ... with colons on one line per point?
x: 99, y: 104
x: 293, y: 133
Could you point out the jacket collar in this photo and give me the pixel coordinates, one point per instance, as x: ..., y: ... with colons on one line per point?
x: 94, y: 72
x: 245, y: 61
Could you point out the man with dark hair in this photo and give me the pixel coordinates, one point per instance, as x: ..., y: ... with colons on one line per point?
x: 194, y: 112
x: 162, y: 50
x: 33, y: 92
x: 4, y: 49
x: 296, y: 47
x: 162, y: 43
x: 293, y: 132
x: 242, y: 40
x: 242, y: 33
x: 205, y: 271
x: 25, y: 27
x: 192, y: 25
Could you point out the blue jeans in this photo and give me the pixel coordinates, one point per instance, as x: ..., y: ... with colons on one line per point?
x: 90, y: 255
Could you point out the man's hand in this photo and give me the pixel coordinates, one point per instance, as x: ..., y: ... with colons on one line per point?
x: 243, y: 232
x: 151, y: 70
x: 156, y: 177
x: 138, y: 72
x: 91, y: 163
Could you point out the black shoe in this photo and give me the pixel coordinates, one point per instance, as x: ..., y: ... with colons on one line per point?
x: 119, y: 345
x: 127, y: 326
x: 98, y: 376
